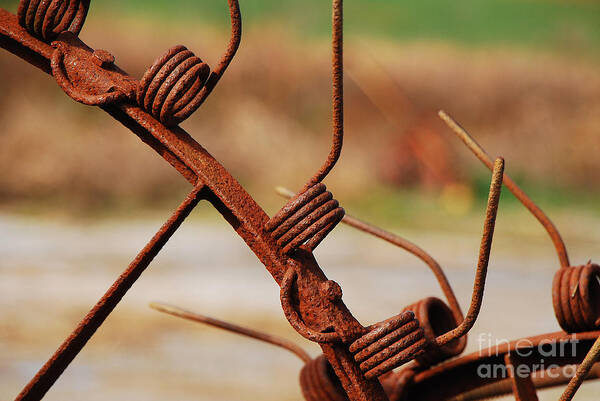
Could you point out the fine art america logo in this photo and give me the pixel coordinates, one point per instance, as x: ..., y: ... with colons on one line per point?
x: 548, y: 354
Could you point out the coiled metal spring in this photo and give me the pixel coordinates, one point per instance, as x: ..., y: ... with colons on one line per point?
x: 172, y: 89
x: 436, y: 318
x: 45, y: 19
x: 319, y: 382
x: 389, y: 344
x: 306, y: 219
x: 576, y: 297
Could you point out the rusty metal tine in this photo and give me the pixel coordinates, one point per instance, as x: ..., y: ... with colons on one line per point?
x: 539, y: 214
x: 484, y: 256
x: 404, y: 244
x: 234, y: 44
x: 337, y: 98
x: 258, y: 335
x: 582, y: 371
x: 56, y: 365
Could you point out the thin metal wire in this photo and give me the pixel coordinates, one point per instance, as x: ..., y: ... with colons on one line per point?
x: 258, y: 335
x: 582, y: 371
x: 337, y: 98
x: 484, y: 257
x: 304, y: 220
x: 481, y: 154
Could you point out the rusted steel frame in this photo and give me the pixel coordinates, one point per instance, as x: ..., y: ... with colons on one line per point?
x: 460, y: 376
x: 522, y: 384
x: 405, y: 244
x: 238, y: 208
x: 582, y: 372
x: 56, y: 365
x: 244, y: 331
x: 549, y: 379
x: 482, y: 155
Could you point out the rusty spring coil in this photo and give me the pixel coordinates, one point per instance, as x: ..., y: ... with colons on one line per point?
x: 45, y: 19
x: 576, y: 297
x: 306, y: 219
x: 436, y: 319
x: 389, y: 344
x: 171, y: 90
x: 319, y: 383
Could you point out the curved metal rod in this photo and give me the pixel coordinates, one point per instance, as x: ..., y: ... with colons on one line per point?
x: 295, y: 320
x: 258, y: 335
x: 405, y: 244
x: 582, y: 371
x: 234, y: 44
x: 481, y: 154
x: 337, y: 100
x: 484, y: 257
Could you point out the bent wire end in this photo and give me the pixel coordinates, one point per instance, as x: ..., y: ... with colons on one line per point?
x: 484, y: 256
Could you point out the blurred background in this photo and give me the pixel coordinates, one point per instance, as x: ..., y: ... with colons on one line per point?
x: 80, y: 195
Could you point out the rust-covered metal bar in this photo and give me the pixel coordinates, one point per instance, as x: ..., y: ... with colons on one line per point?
x: 85, y: 80
x: 357, y: 361
x: 56, y: 365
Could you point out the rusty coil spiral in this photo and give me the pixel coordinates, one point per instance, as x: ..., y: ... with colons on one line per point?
x: 319, y: 383
x: 436, y: 319
x: 172, y: 89
x: 576, y: 297
x: 389, y: 344
x: 306, y: 219
x: 45, y: 19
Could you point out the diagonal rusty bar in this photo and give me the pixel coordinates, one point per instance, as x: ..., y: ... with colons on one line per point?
x: 241, y: 211
x: 51, y: 371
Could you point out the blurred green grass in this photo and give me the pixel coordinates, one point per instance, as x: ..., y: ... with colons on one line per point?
x: 554, y: 25
x: 538, y: 22
x: 548, y: 25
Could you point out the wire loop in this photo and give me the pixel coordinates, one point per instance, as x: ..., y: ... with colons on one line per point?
x: 319, y: 383
x: 389, y: 344
x: 576, y: 297
x: 169, y: 89
x: 306, y: 219
x: 178, y: 82
x: 436, y: 318
x: 45, y: 19
x: 294, y: 318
